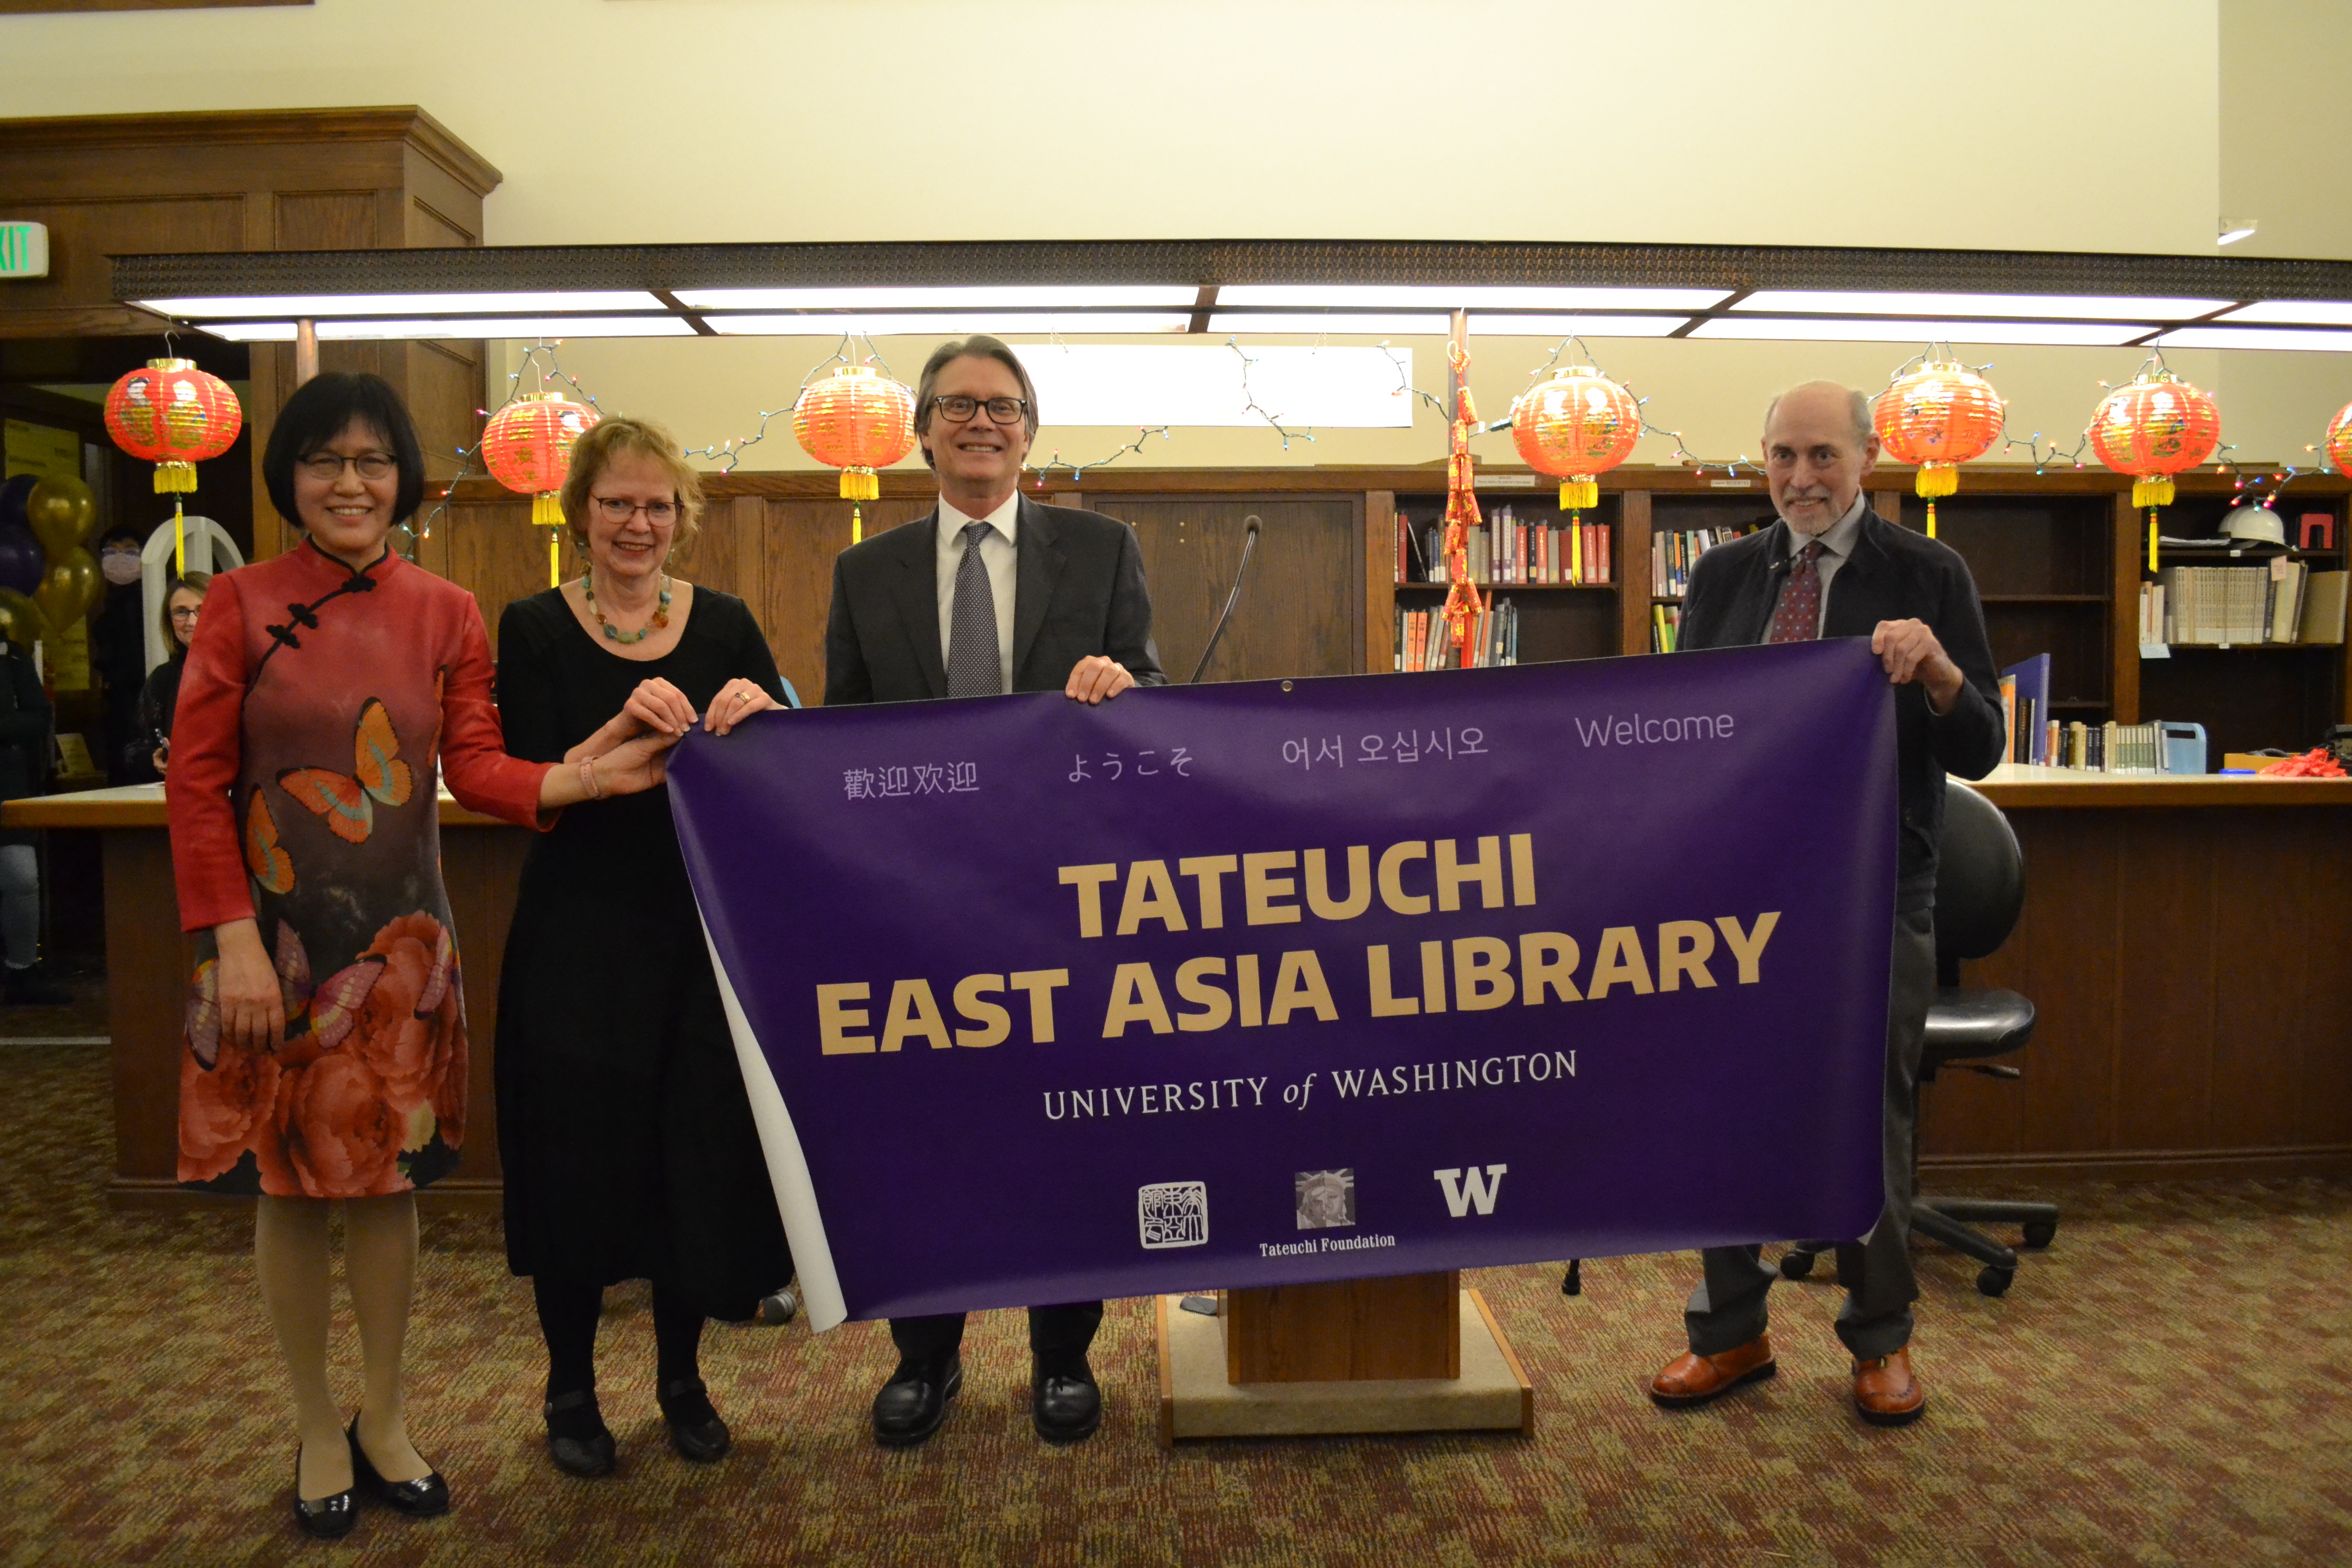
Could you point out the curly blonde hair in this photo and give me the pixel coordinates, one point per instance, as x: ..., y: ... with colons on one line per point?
x: 616, y: 436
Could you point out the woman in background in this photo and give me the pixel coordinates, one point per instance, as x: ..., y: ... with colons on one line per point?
x: 182, y: 601
x: 325, y: 1056
x: 624, y: 1131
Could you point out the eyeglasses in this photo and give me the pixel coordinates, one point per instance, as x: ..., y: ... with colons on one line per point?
x: 329, y: 466
x: 959, y: 408
x: 186, y: 612
x: 615, y: 510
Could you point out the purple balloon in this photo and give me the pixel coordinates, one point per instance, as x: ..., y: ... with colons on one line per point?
x: 22, y: 559
x: 13, y: 496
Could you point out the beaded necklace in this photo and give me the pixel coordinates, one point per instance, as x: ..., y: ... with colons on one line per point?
x: 661, y: 613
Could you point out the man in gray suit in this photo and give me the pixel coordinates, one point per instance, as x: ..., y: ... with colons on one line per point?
x: 989, y: 592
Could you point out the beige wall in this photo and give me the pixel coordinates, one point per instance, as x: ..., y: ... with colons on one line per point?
x: 2286, y: 121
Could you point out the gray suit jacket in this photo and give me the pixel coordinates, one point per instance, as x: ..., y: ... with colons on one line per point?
x: 1080, y: 592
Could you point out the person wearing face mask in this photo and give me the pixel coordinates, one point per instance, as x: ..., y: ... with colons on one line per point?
x: 625, y: 1134
x: 184, y: 599
x: 989, y: 592
x: 1831, y: 567
x: 325, y: 1054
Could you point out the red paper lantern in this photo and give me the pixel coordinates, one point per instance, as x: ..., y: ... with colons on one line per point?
x: 2339, y: 439
x: 2153, y: 429
x: 173, y: 415
x: 1575, y: 426
x: 856, y: 420
x: 1938, y: 416
x: 526, y: 447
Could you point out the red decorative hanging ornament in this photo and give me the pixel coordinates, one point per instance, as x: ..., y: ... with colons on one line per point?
x: 1575, y: 427
x: 1464, y: 604
x: 2152, y: 430
x: 526, y: 447
x: 1938, y: 416
x: 173, y: 415
x: 2339, y: 439
x: 856, y: 420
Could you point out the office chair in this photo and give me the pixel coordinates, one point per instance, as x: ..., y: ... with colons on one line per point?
x: 1979, y: 889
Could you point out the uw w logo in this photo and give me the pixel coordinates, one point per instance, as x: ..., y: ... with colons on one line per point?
x: 1478, y: 1190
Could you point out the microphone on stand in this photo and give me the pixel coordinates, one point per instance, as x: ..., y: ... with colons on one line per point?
x: 1249, y: 543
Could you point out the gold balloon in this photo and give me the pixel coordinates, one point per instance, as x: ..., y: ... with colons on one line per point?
x: 21, y: 621
x: 70, y: 586
x: 62, y: 512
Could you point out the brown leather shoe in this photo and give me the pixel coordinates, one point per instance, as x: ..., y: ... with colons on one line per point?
x: 1884, y: 1391
x: 1693, y: 1379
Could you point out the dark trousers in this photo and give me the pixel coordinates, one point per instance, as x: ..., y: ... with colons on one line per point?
x: 1059, y: 1336
x: 1727, y: 1309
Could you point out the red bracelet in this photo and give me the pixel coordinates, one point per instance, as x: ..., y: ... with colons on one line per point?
x: 588, y: 778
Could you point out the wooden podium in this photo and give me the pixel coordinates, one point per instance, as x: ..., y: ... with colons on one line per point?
x: 1413, y: 1352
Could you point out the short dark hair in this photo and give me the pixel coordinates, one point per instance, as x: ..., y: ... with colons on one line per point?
x: 320, y: 410
x: 980, y: 345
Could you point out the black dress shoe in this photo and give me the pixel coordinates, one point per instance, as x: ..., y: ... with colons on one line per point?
x: 915, y: 1401
x: 1067, y: 1406
x: 577, y: 1438
x: 420, y: 1499
x: 329, y: 1518
x: 695, y: 1429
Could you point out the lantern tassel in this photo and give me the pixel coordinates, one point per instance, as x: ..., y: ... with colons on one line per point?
x: 555, y: 558
x: 1579, y: 494
x: 1931, y: 520
x: 856, y: 524
x: 1936, y: 479
x: 175, y: 477
x: 2151, y: 539
x: 547, y: 509
x: 179, y: 540
x: 2152, y: 492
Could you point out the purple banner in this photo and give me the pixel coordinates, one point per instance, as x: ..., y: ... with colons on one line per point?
x: 1283, y: 981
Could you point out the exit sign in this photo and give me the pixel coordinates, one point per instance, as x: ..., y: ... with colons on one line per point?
x: 23, y: 250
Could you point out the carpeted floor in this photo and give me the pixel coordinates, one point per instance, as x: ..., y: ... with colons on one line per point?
x: 2165, y: 1386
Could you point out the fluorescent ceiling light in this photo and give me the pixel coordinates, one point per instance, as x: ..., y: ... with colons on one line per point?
x: 1376, y: 326
x: 2062, y: 306
x: 2315, y: 312
x: 1482, y: 324
x: 951, y: 324
x: 460, y: 327
x: 1821, y: 329
x: 1473, y: 297
x: 1021, y: 297
x: 2255, y: 338
x: 289, y: 306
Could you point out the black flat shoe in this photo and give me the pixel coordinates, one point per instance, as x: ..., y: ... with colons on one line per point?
x: 577, y: 1440
x: 420, y: 1499
x: 695, y: 1429
x: 914, y: 1402
x: 1066, y: 1407
x: 329, y: 1518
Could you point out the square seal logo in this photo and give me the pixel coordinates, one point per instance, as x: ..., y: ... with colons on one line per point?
x: 1325, y: 1199
x: 1173, y: 1214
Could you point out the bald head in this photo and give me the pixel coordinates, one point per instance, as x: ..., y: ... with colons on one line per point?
x: 1818, y: 448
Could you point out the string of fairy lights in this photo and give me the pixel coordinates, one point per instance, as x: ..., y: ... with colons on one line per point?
x: 540, y: 360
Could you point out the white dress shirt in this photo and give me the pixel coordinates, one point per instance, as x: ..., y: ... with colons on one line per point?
x: 998, y: 552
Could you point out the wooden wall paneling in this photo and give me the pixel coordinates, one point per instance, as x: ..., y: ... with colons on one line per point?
x: 1297, y: 613
x: 2324, y: 1092
x: 800, y: 537
x: 494, y: 553
x: 482, y: 866
x: 83, y: 230
x: 146, y: 996
x: 2262, y: 998
x: 1379, y: 581
x: 2166, y: 980
x: 325, y: 220
x: 2127, y: 556
x: 1632, y: 564
x: 441, y: 382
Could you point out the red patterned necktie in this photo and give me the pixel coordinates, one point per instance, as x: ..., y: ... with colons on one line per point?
x: 1798, y: 616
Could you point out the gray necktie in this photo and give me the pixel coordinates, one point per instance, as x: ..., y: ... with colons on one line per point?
x: 975, y: 667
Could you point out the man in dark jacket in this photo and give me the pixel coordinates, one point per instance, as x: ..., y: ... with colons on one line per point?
x: 989, y: 592
x: 1833, y: 568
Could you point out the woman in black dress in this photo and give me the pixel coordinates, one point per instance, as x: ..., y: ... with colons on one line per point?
x: 627, y: 1138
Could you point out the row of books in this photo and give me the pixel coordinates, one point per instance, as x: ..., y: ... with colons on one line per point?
x: 1425, y: 642
x: 1675, y: 553
x: 2109, y: 748
x: 1666, y: 621
x: 2235, y: 606
x: 1503, y: 549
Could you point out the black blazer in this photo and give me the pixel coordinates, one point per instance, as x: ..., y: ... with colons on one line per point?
x: 1893, y: 575
x: 1080, y: 592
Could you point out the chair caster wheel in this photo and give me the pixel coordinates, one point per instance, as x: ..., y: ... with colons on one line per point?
x: 1795, y: 1264
x: 2040, y: 1234
x: 781, y: 1307
x: 1994, y: 1281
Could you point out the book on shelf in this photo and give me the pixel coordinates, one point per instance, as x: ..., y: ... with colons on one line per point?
x: 2109, y: 747
x: 1502, y: 551
x: 2030, y: 721
x: 2322, y: 620
x: 2281, y: 601
x: 1673, y: 553
x: 1666, y: 621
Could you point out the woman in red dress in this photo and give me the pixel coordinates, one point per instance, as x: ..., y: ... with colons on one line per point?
x: 325, y: 1038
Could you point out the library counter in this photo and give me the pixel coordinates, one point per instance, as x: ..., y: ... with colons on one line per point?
x: 2186, y: 939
